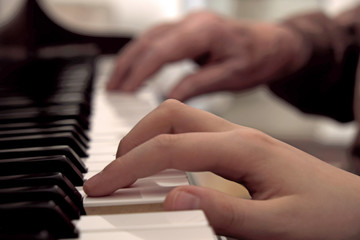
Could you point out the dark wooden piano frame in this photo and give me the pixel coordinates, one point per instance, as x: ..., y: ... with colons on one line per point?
x: 33, y: 29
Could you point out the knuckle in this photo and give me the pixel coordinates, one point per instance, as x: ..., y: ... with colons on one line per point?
x: 205, y: 17
x: 170, y: 108
x: 158, y: 50
x: 170, y: 104
x: 155, y: 48
x: 203, y: 22
x: 146, y: 42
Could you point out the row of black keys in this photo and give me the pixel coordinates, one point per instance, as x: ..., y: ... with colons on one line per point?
x: 45, y: 107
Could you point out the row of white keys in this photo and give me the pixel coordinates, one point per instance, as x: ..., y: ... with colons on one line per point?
x: 179, y: 225
x: 113, y: 116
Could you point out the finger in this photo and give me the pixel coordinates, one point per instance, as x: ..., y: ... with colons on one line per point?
x: 231, y: 216
x: 212, y: 78
x: 172, y: 117
x: 187, y: 152
x: 122, y: 66
x: 182, y: 42
x: 127, y: 58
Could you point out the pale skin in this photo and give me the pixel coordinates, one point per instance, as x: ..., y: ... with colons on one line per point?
x: 232, y: 55
x: 294, y: 195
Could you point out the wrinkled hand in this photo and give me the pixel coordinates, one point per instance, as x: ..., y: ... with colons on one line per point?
x: 233, y: 55
x: 294, y: 195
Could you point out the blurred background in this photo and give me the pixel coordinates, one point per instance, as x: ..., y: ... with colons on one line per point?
x: 256, y: 108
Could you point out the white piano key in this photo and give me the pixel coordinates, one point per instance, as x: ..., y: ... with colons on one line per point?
x: 109, y: 136
x: 95, y: 223
x: 142, y: 220
x: 159, y: 225
x: 130, y: 196
x: 102, y: 148
x: 143, y: 191
x: 96, y: 166
x: 111, y: 125
x: 168, y: 173
x: 100, y: 158
x: 89, y: 174
x: 113, y: 117
x: 188, y: 233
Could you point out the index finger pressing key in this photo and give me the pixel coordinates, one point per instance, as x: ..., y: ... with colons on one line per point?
x: 187, y: 152
x: 172, y: 117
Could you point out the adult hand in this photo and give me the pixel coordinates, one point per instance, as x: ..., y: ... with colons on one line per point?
x: 294, y: 195
x: 233, y: 55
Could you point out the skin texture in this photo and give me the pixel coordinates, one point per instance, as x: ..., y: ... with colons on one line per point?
x: 294, y: 195
x: 232, y: 55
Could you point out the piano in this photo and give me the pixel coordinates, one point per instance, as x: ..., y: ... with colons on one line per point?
x: 58, y: 127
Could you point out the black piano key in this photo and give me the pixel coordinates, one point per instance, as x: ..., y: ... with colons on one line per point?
x: 76, y: 74
x: 31, y: 235
x: 20, y: 96
x: 44, y: 140
x: 45, y: 125
x: 50, y: 75
x: 46, y: 114
x: 65, y: 98
x: 41, y: 179
x: 31, y: 165
x: 30, y: 217
x: 45, y: 151
x: 60, y: 97
x: 69, y: 98
x: 58, y: 94
x: 37, y: 131
x: 41, y: 193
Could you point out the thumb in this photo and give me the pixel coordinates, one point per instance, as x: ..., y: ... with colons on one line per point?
x: 229, y: 216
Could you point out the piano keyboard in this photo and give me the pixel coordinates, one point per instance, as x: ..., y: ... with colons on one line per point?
x: 151, y: 226
x: 113, y: 116
x: 58, y: 127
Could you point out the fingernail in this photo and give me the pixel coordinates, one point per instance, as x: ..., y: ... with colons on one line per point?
x: 185, y: 201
